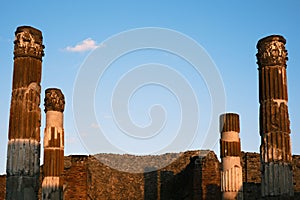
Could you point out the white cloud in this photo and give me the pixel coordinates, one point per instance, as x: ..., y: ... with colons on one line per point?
x: 86, y: 45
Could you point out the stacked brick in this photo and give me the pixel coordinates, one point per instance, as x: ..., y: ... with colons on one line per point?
x: 251, y: 175
x: 149, y: 181
x: 275, y: 149
x: 108, y: 183
x: 194, y: 176
x: 23, y: 152
x: 296, y: 176
x: 75, y: 177
x: 210, y: 176
x: 87, y: 178
x: 251, y: 167
x: 2, y: 186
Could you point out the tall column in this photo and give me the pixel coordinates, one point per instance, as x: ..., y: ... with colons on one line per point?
x: 230, y: 145
x: 23, y: 152
x: 52, y: 187
x: 275, y: 149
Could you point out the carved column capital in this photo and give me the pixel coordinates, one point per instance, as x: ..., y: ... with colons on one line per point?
x: 271, y: 51
x: 28, y: 42
x: 54, y: 100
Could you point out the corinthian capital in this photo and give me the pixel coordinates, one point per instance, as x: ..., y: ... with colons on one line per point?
x: 271, y: 51
x: 28, y: 42
x: 54, y: 100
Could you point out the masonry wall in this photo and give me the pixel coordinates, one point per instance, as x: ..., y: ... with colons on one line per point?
x: 185, y: 178
x: 296, y: 175
x: 107, y: 183
x: 252, y: 179
x: 195, y: 175
x: 251, y: 175
x: 2, y: 186
x: 175, y: 181
x: 210, y: 177
x: 75, y: 177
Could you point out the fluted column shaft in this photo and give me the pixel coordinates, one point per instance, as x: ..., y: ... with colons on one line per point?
x: 52, y: 186
x: 23, y: 152
x: 275, y: 149
x: 230, y: 146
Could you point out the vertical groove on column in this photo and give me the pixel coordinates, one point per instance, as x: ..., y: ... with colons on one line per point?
x: 274, y: 118
x: 230, y: 147
x: 52, y: 187
x: 23, y: 155
x: 229, y: 122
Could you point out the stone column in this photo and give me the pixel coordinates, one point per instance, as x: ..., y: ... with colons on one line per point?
x: 52, y: 186
x: 230, y: 145
x: 23, y: 152
x: 275, y: 149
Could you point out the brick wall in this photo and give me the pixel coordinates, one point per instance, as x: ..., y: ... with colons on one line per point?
x: 75, y: 177
x: 210, y: 176
x: 174, y: 181
x: 251, y: 175
x: 195, y: 175
x: 2, y: 186
x: 296, y: 175
x: 107, y: 183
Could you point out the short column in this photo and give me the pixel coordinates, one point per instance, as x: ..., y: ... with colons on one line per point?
x: 52, y: 186
x: 230, y: 146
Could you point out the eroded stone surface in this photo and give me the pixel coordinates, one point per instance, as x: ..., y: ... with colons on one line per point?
x: 230, y: 146
x: 275, y: 149
x: 52, y: 187
x: 84, y: 176
x: 54, y: 100
x: 23, y: 155
x: 28, y: 42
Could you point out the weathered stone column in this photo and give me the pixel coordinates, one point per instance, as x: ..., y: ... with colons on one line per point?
x: 275, y: 149
x: 230, y: 145
x: 52, y: 187
x: 23, y: 152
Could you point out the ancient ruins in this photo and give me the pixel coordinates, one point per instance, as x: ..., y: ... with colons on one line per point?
x: 23, y: 151
x: 275, y: 149
x: 272, y: 174
x: 230, y: 145
x: 52, y: 186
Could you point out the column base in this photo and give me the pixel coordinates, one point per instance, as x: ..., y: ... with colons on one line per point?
x: 277, y: 181
x: 22, y: 188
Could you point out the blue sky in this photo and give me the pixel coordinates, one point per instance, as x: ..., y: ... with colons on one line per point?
x: 227, y: 30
